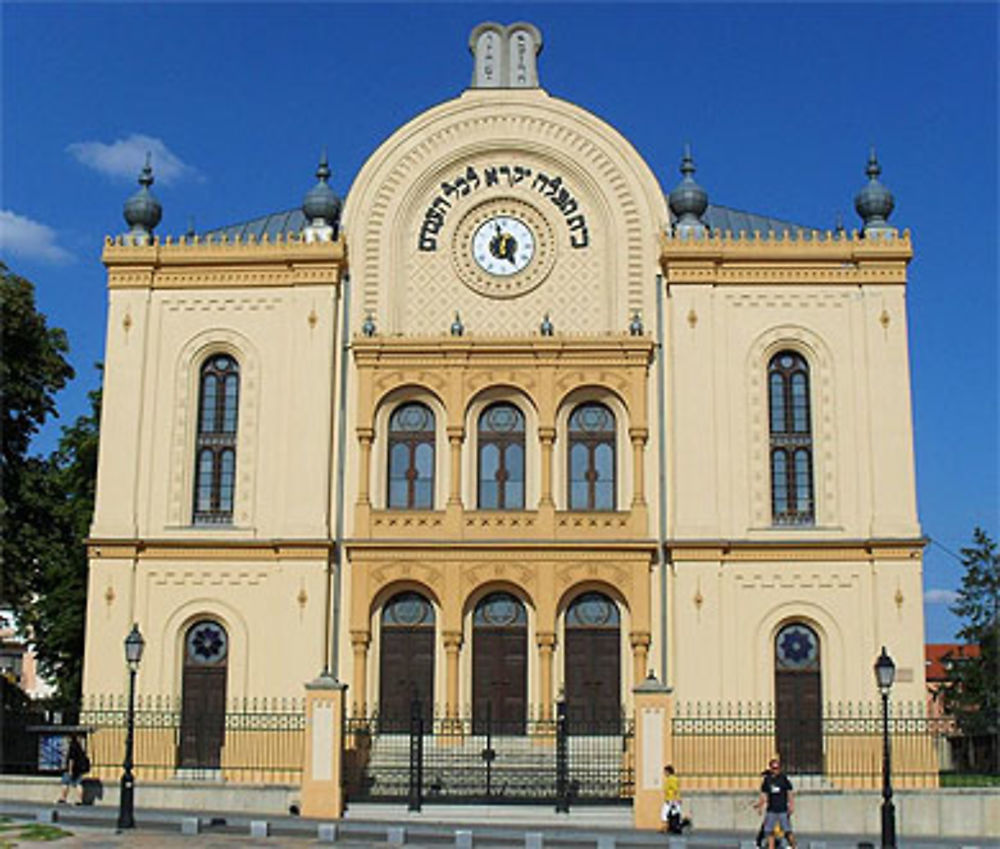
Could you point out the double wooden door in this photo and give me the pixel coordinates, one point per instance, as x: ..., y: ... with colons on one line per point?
x: 499, y: 665
x: 406, y: 675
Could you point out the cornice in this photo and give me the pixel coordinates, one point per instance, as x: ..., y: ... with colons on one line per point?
x: 727, y: 258
x: 273, y: 550
x: 440, y: 550
x: 798, y: 550
x: 195, y: 264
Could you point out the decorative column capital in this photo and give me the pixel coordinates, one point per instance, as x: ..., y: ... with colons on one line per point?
x: 546, y: 435
x: 546, y: 640
x: 639, y: 434
x: 456, y: 433
x: 452, y: 640
x: 366, y: 435
x: 639, y: 639
x: 360, y: 639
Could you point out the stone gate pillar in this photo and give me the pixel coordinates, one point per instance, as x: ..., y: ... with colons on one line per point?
x: 322, y: 789
x: 654, y: 712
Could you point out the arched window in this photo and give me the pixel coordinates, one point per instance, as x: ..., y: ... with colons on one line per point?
x: 215, y: 446
x: 501, y: 458
x: 411, y: 458
x: 791, y: 440
x: 592, y: 458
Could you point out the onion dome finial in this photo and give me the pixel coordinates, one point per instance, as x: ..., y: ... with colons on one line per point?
x: 874, y: 203
x: 142, y: 210
x: 321, y: 206
x: 457, y: 328
x: 368, y: 328
x: 688, y: 200
x: 546, y: 328
x: 635, y: 327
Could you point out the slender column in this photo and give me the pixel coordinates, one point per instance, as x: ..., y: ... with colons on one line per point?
x: 452, y: 646
x: 547, y: 438
x: 638, y: 435
x: 546, y: 647
x: 360, y: 641
x: 640, y: 655
x: 365, y: 438
x: 456, y: 436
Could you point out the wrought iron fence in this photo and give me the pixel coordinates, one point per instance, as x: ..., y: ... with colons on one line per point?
x: 257, y: 740
x: 728, y: 745
x: 470, y: 759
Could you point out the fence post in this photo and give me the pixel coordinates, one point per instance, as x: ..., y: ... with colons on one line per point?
x: 322, y: 789
x: 562, y: 759
x: 653, y: 749
x: 416, y: 755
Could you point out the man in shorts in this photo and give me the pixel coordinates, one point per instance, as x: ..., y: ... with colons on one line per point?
x: 777, y: 798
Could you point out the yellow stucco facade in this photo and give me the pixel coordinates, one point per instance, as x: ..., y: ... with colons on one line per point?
x: 670, y: 333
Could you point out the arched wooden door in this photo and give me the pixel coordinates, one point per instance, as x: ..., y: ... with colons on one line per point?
x: 593, y: 665
x: 798, y: 699
x: 499, y: 664
x: 203, y: 699
x: 406, y: 659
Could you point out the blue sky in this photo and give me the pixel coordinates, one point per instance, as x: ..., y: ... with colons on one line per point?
x: 779, y: 101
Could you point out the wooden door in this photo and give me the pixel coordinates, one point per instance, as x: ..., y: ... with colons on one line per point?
x: 499, y: 665
x: 593, y: 665
x: 406, y: 661
x: 203, y: 700
x: 798, y: 700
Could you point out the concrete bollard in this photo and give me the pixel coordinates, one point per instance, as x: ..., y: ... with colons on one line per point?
x: 326, y: 832
x: 190, y: 825
x: 395, y: 835
x: 605, y: 841
x: 463, y: 839
x: 532, y: 840
x: 260, y: 828
x: 49, y: 816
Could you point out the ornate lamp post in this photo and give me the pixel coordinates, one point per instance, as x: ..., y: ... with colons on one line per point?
x: 885, y: 674
x: 134, y: 644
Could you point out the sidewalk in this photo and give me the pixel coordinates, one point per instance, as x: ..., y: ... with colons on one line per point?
x: 514, y: 827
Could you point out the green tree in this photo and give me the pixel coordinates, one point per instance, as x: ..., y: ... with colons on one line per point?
x: 972, y: 693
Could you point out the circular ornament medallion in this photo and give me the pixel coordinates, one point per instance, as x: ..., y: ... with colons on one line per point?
x: 503, y: 248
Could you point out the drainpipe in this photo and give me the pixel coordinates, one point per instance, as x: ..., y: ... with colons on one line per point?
x: 338, y: 550
x: 661, y: 548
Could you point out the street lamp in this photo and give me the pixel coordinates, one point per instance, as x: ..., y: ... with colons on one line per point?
x: 885, y: 674
x: 134, y: 644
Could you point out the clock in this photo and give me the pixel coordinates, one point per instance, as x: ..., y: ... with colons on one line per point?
x: 503, y: 248
x: 503, y: 245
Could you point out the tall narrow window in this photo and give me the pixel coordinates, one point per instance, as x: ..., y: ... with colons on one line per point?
x: 411, y: 458
x: 215, y: 446
x: 501, y: 458
x: 592, y: 458
x: 791, y: 440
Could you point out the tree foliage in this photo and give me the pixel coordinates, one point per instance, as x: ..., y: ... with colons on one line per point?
x: 972, y: 692
x: 47, y: 502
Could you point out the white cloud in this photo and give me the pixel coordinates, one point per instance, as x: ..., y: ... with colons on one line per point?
x: 125, y: 158
x: 23, y: 237
x: 940, y: 596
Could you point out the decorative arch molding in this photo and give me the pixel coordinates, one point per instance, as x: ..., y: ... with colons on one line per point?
x: 389, y: 591
x: 832, y: 640
x: 388, y: 403
x: 185, y: 420
x: 171, y: 643
x: 570, y: 594
x: 822, y: 383
x: 395, y: 182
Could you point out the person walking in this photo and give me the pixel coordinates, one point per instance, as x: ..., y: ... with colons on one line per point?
x: 74, y: 766
x: 670, y: 813
x: 778, y: 799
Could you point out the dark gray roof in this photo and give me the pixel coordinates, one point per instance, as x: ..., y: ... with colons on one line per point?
x: 718, y: 218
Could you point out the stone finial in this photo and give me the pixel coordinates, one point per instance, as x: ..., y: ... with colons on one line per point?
x: 688, y: 200
x: 635, y: 327
x: 505, y: 56
x: 368, y: 328
x: 457, y: 328
x: 321, y: 206
x: 874, y: 203
x: 142, y: 210
x: 546, y: 328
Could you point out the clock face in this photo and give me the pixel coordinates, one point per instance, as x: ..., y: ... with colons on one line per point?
x: 503, y: 245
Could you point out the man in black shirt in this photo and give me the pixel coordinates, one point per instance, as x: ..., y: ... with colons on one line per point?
x: 776, y: 794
